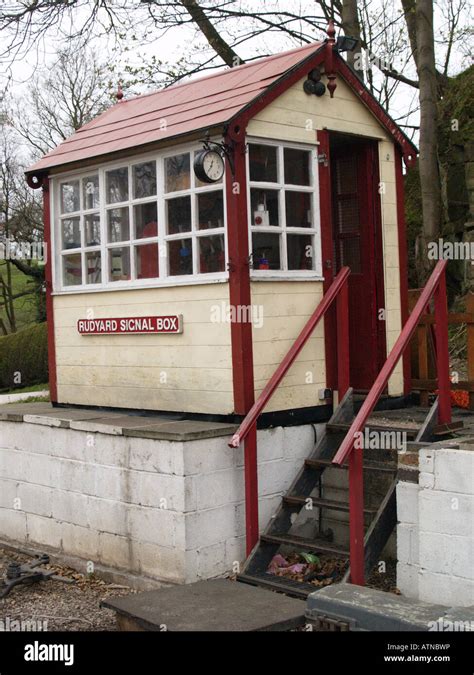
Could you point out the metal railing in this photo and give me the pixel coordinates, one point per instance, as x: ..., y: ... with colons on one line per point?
x: 436, y: 286
x: 338, y: 291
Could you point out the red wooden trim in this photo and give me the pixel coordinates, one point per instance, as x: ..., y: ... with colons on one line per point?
x: 409, y: 150
x: 343, y: 366
x: 325, y: 206
x: 380, y: 383
x: 251, y: 490
x: 442, y: 352
x: 339, y: 282
x: 403, y: 261
x: 241, y: 332
x: 378, y: 260
x: 239, y: 279
x: 49, y: 288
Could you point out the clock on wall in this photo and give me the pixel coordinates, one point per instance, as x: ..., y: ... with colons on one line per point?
x: 209, y: 166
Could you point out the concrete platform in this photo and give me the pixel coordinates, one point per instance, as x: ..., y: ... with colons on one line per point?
x: 367, y: 609
x: 169, y: 427
x: 218, y: 605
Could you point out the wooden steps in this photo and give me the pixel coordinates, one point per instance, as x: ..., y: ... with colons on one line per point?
x: 368, y: 466
x: 318, y: 502
x: 306, y: 505
x: 305, y: 544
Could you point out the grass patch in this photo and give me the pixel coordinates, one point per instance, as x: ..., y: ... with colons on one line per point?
x: 25, y: 390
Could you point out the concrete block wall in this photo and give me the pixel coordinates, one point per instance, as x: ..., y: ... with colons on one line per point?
x: 169, y: 510
x: 435, y: 532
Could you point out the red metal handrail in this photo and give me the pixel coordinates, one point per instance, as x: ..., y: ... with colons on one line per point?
x: 248, y: 429
x: 436, y: 285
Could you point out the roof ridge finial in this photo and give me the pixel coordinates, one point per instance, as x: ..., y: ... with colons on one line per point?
x: 331, y: 31
x: 119, y: 94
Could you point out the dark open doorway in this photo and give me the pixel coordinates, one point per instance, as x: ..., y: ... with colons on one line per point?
x: 356, y: 239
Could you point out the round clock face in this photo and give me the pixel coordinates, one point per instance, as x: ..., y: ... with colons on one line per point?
x: 209, y: 166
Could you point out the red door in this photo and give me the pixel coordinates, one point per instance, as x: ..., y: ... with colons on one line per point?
x: 356, y: 240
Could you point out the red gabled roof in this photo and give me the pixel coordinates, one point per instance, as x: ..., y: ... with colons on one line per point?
x: 205, y: 103
x: 199, y: 104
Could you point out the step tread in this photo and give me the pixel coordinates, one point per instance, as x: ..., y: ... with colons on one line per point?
x: 368, y: 466
x: 295, y: 589
x: 302, y: 542
x: 343, y: 426
x: 321, y: 501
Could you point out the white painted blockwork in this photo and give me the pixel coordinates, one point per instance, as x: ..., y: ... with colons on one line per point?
x: 173, y: 511
x: 435, y: 535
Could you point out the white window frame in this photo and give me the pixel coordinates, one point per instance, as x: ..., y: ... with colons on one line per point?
x: 165, y: 279
x: 282, y: 230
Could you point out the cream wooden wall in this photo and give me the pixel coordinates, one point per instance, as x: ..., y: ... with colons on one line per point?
x: 286, y: 307
x: 198, y: 364
x: 125, y: 370
x: 296, y: 117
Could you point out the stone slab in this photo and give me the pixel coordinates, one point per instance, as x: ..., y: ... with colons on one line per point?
x: 184, y: 430
x: 160, y: 426
x: 216, y: 605
x: 367, y: 609
x: 14, y: 412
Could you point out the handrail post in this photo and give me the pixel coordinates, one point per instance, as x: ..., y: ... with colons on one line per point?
x: 342, y: 307
x: 442, y: 351
x: 356, y: 516
x: 251, y: 489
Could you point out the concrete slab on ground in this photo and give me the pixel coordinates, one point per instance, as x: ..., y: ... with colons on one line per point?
x: 159, y: 426
x: 216, y: 605
x: 367, y: 609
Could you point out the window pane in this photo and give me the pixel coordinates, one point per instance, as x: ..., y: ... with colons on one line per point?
x: 144, y: 180
x: 300, y: 252
x: 211, y: 254
x: 146, y: 261
x: 118, y: 225
x: 92, y: 229
x: 72, y: 270
x: 264, y: 206
x: 71, y: 232
x: 177, y: 175
x: 119, y: 264
x: 180, y: 257
x: 210, y: 210
x: 93, y: 267
x: 298, y: 209
x: 179, y: 215
x: 117, y: 185
x: 90, y: 192
x: 297, y: 163
x: 263, y: 163
x: 266, y: 251
x: 146, y: 218
x: 70, y: 196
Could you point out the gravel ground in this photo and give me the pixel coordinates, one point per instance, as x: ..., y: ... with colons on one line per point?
x: 61, y: 606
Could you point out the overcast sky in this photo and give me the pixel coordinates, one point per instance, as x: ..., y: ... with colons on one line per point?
x: 175, y: 43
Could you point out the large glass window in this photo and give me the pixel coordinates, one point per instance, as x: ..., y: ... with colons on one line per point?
x: 282, y: 208
x: 194, y: 234
x: 152, y: 219
x: 143, y: 220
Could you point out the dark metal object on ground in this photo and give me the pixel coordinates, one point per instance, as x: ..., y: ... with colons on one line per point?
x: 29, y: 573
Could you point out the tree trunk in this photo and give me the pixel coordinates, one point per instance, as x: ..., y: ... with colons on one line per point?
x: 428, y: 161
x: 351, y: 28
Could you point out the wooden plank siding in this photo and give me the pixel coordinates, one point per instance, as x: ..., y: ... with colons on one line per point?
x: 125, y: 370
x: 296, y: 117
